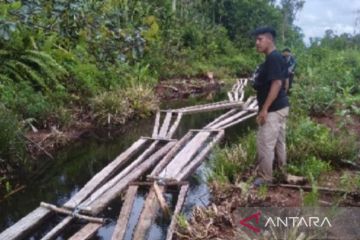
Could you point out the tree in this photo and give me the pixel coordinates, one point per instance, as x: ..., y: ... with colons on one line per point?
x: 289, y: 9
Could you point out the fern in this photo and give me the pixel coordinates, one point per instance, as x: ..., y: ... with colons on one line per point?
x: 9, y: 69
x: 32, y: 75
x: 5, y: 79
x: 43, y: 67
x: 49, y: 60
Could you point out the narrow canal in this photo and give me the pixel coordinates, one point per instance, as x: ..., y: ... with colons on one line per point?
x: 57, y: 180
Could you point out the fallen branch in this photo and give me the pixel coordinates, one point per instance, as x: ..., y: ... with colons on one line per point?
x: 38, y: 146
x: 13, y: 192
x: 309, y: 188
x: 164, y: 206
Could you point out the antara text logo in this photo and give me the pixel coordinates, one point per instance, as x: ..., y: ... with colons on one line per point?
x: 281, y: 222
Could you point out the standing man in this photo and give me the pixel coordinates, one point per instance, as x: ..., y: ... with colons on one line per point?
x: 291, y: 64
x: 273, y: 104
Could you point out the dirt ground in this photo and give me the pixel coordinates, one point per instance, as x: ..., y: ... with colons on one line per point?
x: 350, y: 123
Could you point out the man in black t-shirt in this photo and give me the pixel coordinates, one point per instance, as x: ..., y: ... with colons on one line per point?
x: 273, y: 105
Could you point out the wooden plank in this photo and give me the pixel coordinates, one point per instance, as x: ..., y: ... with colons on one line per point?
x: 185, y: 155
x: 123, y: 219
x: 205, y: 130
x: 166, y: 183
x: 179, y: 204
x: 86, y: 232
x: 100, y: 203
x: 147, y: 216
x: 160, y: 166
x: 104, y: 174
x: 231, y: 99
x: 174, y: 126
x: 160, y: 139
x: 121, y: 175
x: 229, y: 119
x: 236, y: 104
x: 59, y: 227
x: 240, y: 120
x: 236, y: 96
x: 22, y: 227
x: 70, y: 213
x: 208, y: 105
x: 156, y: 126
x: 223, y: 116
x: 159, y: 194
x: 190, y: 168
x: 165, y: 126
x: 202, y: 105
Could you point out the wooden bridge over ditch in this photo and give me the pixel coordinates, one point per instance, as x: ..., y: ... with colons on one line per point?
x: 169, y: 161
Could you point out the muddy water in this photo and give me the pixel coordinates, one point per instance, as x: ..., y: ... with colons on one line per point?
x: 57, y: 180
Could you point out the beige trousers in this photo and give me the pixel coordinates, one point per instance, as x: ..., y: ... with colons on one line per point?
x: 270, y: 143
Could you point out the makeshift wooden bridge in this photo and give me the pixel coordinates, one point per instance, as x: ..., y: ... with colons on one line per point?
x: 169, y: 161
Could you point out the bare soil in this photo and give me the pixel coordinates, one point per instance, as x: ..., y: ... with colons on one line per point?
x: 335, y: 123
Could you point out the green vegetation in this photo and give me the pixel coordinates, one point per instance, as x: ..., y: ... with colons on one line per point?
x: 66, y: 59
x: 326, y: 85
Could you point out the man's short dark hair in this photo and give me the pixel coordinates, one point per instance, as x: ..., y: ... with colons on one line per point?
x: 264, y: 30
x: 286, y: 50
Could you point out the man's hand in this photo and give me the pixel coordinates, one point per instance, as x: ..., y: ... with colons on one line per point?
x: 261, y: 117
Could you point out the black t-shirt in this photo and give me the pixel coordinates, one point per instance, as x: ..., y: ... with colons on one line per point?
x: 274, y: 68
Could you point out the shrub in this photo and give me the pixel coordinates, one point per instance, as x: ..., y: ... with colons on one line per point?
x: 117, y: 106
x: 143, y: 100
x: 111, y: 108
x: 230, y: 162
x: 11, y: 144
x: 306, y: 138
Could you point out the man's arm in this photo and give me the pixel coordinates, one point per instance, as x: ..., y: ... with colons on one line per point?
x: 273, y: 93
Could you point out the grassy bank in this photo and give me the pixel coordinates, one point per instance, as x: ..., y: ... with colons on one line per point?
x: 326, y: 85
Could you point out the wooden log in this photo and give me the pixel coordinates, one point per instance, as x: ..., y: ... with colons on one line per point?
x: 214, y: 108
x: 156, y: 126
x: 160, y: 139
x: 121, y: 175
x: 236, y: 96
x: 179, y: 204
x: 174, y: 126
x: 240, y: 120
x: 185, y: 155
x: 70, y: 213
x: 100, y: 203
x: 123, y: 219
x: 321, y: 189
x: 159, y: 194
x: 231, y: 99
x: 58, y: 228
x: 166, y: 183
x: 223, y: 116
x: 229, y: 119
x: 249, y: 106
x: 202, y: 105
x: 147, y: 215
x: 86, y: 232
x: 205, y: 130
x: 104, y: 174
x: 22, y: 227
x: 159, y: 167
x: 165, y: 126
x: 18, y: 189
x: 194, y: 164
x: 38, y: 146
